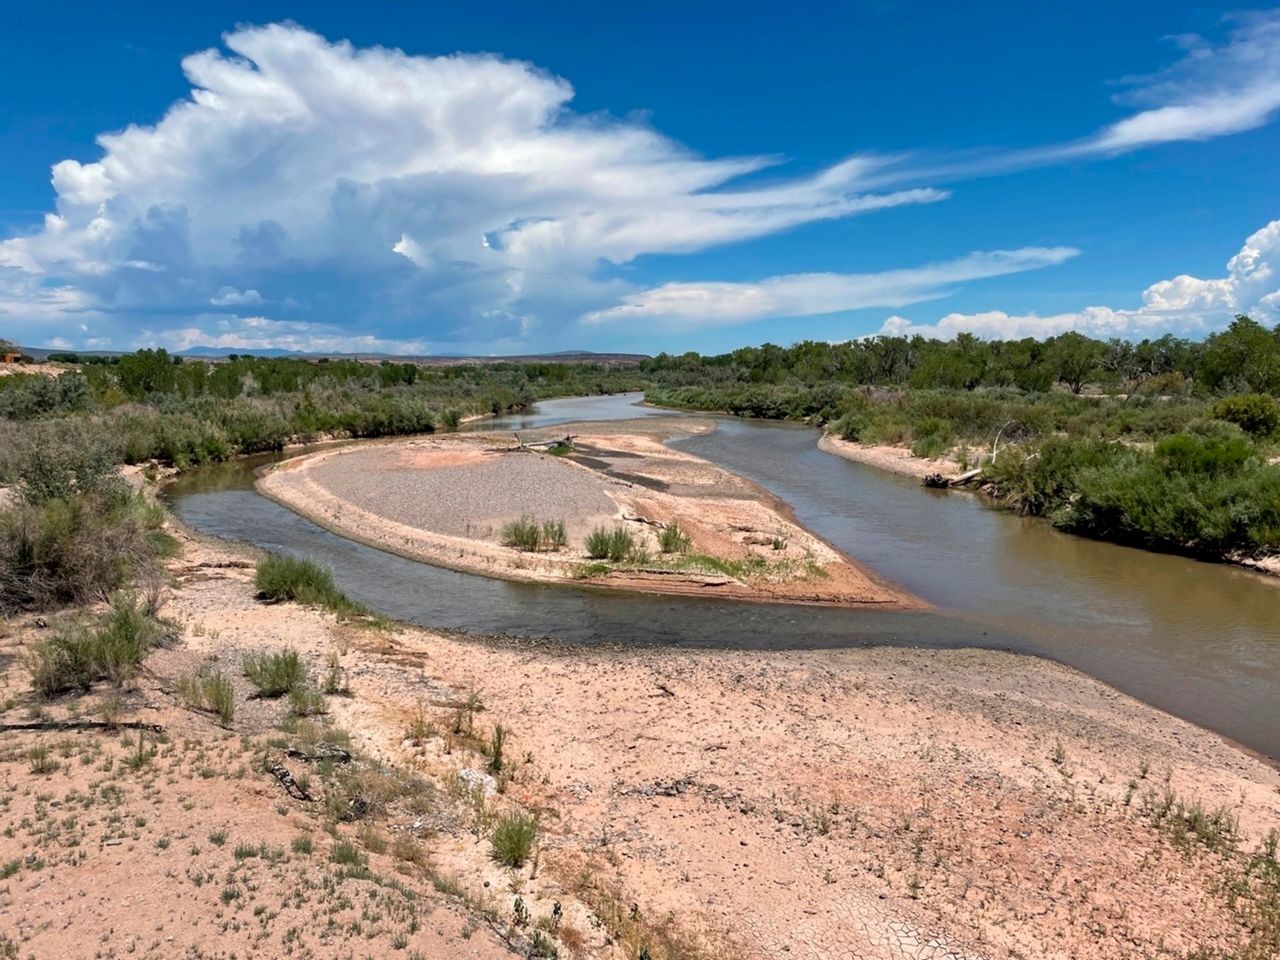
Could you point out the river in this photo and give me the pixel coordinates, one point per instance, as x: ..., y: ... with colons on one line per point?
x: 1199, y: 640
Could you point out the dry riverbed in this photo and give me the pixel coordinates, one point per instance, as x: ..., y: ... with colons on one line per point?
x: 449, y: 501
x: 739, y: 804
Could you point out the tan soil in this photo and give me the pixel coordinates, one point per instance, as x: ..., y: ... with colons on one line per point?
x: 446, y: 500
x: 895, y: 459
x: 853, y: 803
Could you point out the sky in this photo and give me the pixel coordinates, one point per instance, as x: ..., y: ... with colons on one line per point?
x: 511, y: 177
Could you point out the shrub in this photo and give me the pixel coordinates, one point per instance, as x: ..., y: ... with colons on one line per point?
x: 74, y: 550
x: 523, y: 534
x: 210, y: 689
x: 82, y: 652
x: 301, y: 580
x: 529, y: 535
x: 275, y: 674
x: 613, y: 545
x: 673, y: 539
x: 1257, y: 414
x: 553, y: 535
x: 307, y: 701
x: 57, y: 459
x: 513, y: 838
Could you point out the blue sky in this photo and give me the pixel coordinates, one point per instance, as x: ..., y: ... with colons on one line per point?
x: 519, y: 177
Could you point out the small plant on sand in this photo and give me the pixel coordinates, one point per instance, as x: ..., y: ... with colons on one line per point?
x: 282, y: 578
x: 275, y: 674
x: 497, y: 744
x: 523, y: 534
x: 553, y: 535
x: 210, y: 689
x: 673, y: 539
x: 513, y: 838
x: 307, y: 701
x: 613, y: 545
x: 80, y: 652
x: 530, y: 536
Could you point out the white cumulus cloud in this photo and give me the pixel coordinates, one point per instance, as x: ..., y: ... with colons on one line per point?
x: 454, y: 193
x: 1185, y: 304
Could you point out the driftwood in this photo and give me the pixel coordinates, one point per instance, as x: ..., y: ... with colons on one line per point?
x: 321, y: 752
x: 966, y: 477
x: 69, y: 725
x: 638, y: 519
x: 291, y: 786
x: 565, y: 441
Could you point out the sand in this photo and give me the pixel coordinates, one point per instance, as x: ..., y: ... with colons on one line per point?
x: 447, y: 500
x: 850, y: 803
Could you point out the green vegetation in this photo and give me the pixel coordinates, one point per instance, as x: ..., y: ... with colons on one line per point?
x: 513, y: 838
x: 529, y: 535
x: 83, y: 650
x: 673, y: 539
x: 1168, y: 444
x: 209, y: 689
x: 275, y: 674
x: 300, y: 580
x: 613, y: 545
x: 150, y: 405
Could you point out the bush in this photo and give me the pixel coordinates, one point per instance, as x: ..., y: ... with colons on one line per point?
x: 1257, y: 414
x: 613, y: 545
x: 307, y: 701
x: 58, y: 459
x: 523, y: 534
x: 275, y: 674
x: 77, y: 549
x: 673, y: 539
x: 211, y: 690
x: 279, y: 577
x: 81, y: 652
x: 528, y: 535
x: 513, y: 838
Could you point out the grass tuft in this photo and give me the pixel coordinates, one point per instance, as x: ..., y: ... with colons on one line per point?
x: 513, y: 838
x: 275, y: 674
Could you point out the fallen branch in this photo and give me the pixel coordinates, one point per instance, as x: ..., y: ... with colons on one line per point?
x: 322, y: 751
x: 69, y: 725
x: 291, y: 786
x: 638, y: 519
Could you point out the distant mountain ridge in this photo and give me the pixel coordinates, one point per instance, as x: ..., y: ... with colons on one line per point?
x: 435, y: 359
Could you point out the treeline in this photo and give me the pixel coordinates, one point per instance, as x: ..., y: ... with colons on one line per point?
x: 154, y: 406
x: 1167, y: 443
x: 1244, y: 358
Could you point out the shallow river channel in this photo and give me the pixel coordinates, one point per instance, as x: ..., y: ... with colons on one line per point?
x: 1197, y: 639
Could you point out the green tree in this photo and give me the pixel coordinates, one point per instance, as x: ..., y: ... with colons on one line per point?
x: 146, y: 372
x: 1074, y: 359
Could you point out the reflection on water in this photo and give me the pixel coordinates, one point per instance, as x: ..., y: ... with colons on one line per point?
x: 1201, y: 640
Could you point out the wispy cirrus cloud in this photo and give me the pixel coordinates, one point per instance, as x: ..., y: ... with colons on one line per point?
x: 1184, y: 304
x: 681, y: 306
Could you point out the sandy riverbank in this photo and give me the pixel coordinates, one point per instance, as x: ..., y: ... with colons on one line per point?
x: 885, y: 457
x: 447, y: 500
x: 865, y: 803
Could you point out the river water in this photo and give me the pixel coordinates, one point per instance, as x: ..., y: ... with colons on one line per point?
x: 1197, y: 639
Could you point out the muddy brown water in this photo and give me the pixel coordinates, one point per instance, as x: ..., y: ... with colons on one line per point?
x: 1200, y: 640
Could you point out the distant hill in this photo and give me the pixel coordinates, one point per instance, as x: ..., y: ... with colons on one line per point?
x: 426, y: 360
